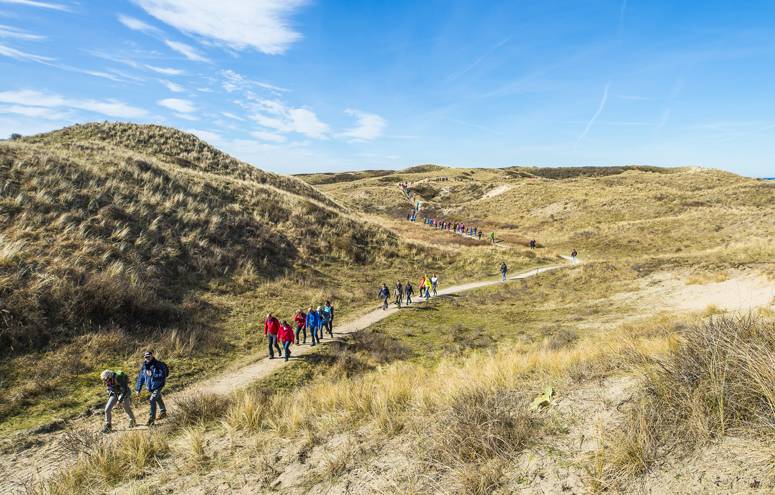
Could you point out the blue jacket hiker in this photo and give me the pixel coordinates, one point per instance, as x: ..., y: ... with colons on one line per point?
x: 313, y: 320
x: 153, y: 374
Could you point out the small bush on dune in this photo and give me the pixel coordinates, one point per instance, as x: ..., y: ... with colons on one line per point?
x: 721, y: 378
x: 480, y: 425
x: 108, y: 463
x: 191, y: 409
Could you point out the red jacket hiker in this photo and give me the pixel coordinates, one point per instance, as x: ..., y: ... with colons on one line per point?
x: 272, y: 326
x: 286, y: 333
x: 300, y: 319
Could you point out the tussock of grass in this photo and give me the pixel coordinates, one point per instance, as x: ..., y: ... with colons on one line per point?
x: 196, y: 408
x: 109, y: 463
x: 719, y: 379
x: 478, y: 426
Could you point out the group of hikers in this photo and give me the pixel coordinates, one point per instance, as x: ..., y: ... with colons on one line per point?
x: 152, y: 375
x: 456, y: 227
x: 426, y: 286
x: 315, y: 321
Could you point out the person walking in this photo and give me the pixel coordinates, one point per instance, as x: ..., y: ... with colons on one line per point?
x: 504, y: 271
x: 399, y: 294
x: 320, y: 323
x: 153, y: 374
x: 421, y: 286
x: 328, y: 318
x: 427, y: 288
x: 312, y: 324
x: 435, y: 285
x: 492, y: 237
x: 300, y: 318
x: 573, y: 255
x: 271, y: 332
x: 286, y: 337
x: 480, y: 235
x: 408, y: 290
x: 117, y: 383
x: 384, y: 293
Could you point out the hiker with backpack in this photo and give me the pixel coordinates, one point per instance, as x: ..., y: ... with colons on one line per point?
x: 408, y: 290
x: 312, y: 324
x: 384, y: 293
x: 328, y: 318
x: 117, y: 383
x: 399, y: 294
x: 435, y: 285
x: 504, y: 270
x: 286, y: 337
x: 300, y: 318
x: 421, y: 286
x: 427, y: 287
x: 321, y: 323
x: 153, y: 374
x: 271, y: 331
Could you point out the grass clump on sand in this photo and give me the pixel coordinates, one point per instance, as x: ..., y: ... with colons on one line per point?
x: 719, y: 379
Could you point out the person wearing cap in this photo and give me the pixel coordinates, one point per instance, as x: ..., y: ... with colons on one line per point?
x: 153, y: 374
x: 117, y: 383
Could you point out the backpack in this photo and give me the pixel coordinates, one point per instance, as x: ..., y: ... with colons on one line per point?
x: 166, y: 369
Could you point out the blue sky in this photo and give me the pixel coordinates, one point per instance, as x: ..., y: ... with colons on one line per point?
x: 300, y: 86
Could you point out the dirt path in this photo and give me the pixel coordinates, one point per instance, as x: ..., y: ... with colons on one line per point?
x: 45, y: 454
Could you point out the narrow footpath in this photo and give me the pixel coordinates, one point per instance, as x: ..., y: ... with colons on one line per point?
x: 48, y: 453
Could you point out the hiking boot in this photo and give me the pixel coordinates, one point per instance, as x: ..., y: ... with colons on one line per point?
x: 107, y: 428
x: 132, y: 423
x: 150, y: 422
x: 162, y: 415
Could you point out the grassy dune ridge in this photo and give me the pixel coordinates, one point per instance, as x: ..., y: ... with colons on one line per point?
x: 438, y: 398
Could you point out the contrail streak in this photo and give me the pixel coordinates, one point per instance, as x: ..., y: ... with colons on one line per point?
x: 597, y: 114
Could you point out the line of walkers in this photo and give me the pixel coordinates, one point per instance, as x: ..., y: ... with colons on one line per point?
x: 316, y: 321
x: 152, y: 375
x: 456, y: 227
x: 427, y: 286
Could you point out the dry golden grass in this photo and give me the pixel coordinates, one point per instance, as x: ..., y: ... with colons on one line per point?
x: 109, y: 463
x: 114, y: 237
x: 720, y: 378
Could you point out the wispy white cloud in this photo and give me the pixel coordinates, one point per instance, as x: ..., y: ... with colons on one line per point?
x: 167, y: 71
x: 209, y: 136
x: 233, y: 81
x: 275, y: 115
x: 31, y: 98
x: 269, y: 136
x: 40, y: 5
x: 231, y: 116
x: 600, y: 108
x: 178, y: 105
x: 479, y: 59
x: 137, y: 25
x: 187, y: 51
x: 7, y: 51
x: 239, y: 24
x: 369, y: 126
x: 174, y: 87
x: 19, y: 34
x: 36, y: 112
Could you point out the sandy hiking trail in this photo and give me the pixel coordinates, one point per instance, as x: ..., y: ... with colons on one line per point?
x: 47, y: 453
